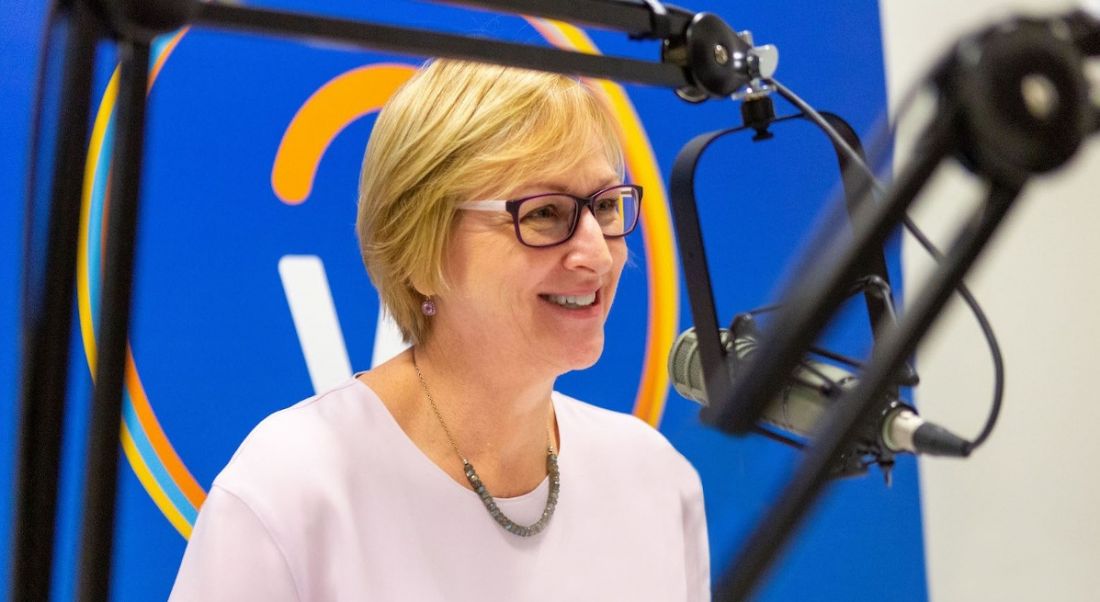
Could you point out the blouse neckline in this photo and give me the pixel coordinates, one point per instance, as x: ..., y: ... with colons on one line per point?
x: 539, y: 492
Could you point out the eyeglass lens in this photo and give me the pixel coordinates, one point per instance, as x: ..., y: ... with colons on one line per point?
x: 549, y: 219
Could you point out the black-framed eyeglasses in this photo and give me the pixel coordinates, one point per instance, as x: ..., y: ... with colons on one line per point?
x: 548, y: 219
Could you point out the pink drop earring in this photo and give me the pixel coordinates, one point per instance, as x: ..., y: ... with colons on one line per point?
x: 428, y: 307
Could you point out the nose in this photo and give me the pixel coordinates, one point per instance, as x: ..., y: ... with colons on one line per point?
x: 588, y: 249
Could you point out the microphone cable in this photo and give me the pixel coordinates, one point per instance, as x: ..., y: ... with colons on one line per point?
x: 926, y: 243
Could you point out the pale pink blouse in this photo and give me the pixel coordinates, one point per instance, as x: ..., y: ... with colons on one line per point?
x: 330, y: 500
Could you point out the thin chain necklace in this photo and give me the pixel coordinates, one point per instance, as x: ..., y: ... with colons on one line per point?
x: 475, y: 481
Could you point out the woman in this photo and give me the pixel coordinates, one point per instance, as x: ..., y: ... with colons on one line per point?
x: 492, y: 213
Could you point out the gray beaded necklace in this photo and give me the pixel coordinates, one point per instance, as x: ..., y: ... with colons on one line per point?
x: 475, y: 481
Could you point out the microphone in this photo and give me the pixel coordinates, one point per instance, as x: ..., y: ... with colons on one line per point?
x: 810, y: 391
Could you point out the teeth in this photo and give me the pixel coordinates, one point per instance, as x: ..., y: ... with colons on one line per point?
x: 572, y: 300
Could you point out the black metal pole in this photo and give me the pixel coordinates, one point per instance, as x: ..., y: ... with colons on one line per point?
x: 842, y: 425
x: 47, y: 316
x: 404, y: 40
x: 631, y: 17
x: 101, y: 473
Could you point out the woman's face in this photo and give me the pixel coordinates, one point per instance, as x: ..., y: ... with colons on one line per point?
x: 506, y: 299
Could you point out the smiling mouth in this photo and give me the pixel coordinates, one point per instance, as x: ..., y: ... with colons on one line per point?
x: 571, y: 301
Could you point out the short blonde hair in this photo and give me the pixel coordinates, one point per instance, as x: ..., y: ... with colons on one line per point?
x: 453, y: 131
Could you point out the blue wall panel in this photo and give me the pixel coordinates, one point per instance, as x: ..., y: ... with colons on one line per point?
x: 213, y: 339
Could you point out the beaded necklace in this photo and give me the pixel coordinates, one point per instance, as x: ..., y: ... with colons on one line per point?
x: 475, y: 481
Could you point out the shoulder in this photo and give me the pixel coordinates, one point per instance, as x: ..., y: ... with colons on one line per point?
x: 310, y: 441
x: 609, y: 427
x: 604, y: 435
x: 587, y: 417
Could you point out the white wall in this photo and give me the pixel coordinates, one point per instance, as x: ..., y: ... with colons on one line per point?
x: 1018, y: 520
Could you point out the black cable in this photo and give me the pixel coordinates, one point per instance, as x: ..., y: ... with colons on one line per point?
x: 928, y: 245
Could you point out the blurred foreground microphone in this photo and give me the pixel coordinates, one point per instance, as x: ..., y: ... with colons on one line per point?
x: 809, y: 393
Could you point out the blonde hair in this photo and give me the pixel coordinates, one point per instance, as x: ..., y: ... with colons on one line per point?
x: 453, y: 131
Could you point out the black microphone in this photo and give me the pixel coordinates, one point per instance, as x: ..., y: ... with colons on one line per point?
x: 809, y: 393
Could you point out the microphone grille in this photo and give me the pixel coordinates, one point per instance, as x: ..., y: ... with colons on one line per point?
x: 685, y: 367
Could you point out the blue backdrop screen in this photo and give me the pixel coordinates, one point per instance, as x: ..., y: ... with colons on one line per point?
x: 251, y: 169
